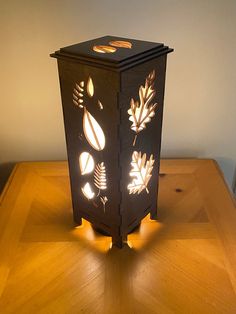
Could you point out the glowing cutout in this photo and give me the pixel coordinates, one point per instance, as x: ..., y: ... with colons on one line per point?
x: 104, y: 49
x: 86, y: 163
x: 100, y: 105
x: 93, y: 132
x: 141, y: 113
x: 100, y: 176
x: 121, y: 44
x: 87, y: 191
x: 90, y: 87
x: 141, y: 172
x: 103, y: 200
x: 78, y: 94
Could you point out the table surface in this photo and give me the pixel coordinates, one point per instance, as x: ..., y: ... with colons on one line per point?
x: 183, y: 263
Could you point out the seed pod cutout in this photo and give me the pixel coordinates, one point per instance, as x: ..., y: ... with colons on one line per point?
x: 87, y: 191
x: 86, y: 163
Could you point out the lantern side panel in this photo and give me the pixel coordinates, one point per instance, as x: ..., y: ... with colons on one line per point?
x: 91, y: 118
x: 141, y: 109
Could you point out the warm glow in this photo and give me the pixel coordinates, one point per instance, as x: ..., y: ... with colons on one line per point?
x: 87, y: 191
x: 104, y: 49
x: 86, y: 163
x: 121, y: 44
x: 90, y: 87
x: 93, y: 132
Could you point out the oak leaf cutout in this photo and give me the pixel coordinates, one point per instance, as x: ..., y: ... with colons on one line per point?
x: 141, y: 172
x: 142, y: 112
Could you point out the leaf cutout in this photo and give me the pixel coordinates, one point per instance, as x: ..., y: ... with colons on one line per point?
x: 121, y: 44
x: 103, y: 200
x: 141, y: 113
x: 90, y: 87
x: 86, y: 163
x: 92, y: 131
x: 100, y: 105
x: 141, y: 172
x: 104, y: 49
x: 100, y: 176
x: 78, y: 94
x: 87, y: 191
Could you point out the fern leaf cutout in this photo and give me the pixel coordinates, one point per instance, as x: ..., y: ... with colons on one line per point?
x: 100, y: 176
x: 78, y: 94
x: 142, y: 112
x: 92, y: 131
x: 141, y: 172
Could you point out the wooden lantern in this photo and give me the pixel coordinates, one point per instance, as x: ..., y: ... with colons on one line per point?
x: 112, y: 92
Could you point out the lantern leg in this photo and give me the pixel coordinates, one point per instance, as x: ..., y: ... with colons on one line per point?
x: 153, y: 213
x: 119, y: 240
x: 78, y: 220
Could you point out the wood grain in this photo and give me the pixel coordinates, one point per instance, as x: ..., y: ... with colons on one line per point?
x: 183, y: 263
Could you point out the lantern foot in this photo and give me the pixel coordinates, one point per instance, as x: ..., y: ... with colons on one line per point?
x: 78, y: 221
x: 153, y: 215
x: 100, y: 230
x: 119, y: 241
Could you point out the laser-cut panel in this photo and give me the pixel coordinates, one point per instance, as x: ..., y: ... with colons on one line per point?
x: 96, y: 138
x: 141, y: 101
x: 92, y: 137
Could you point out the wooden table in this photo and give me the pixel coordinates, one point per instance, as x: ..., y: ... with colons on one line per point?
x: 184, y: 263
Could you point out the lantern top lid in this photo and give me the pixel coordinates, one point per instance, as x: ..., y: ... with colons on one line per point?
x: 112, y: 52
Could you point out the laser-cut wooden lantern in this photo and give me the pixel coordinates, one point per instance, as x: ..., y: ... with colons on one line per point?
x: 112, y: 93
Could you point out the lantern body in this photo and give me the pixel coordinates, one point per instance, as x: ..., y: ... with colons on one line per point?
x: 113, y: 107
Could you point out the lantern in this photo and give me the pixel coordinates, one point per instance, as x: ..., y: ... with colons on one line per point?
x: 112, y: 93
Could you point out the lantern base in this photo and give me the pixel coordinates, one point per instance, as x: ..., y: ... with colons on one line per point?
x: 107, y: 234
